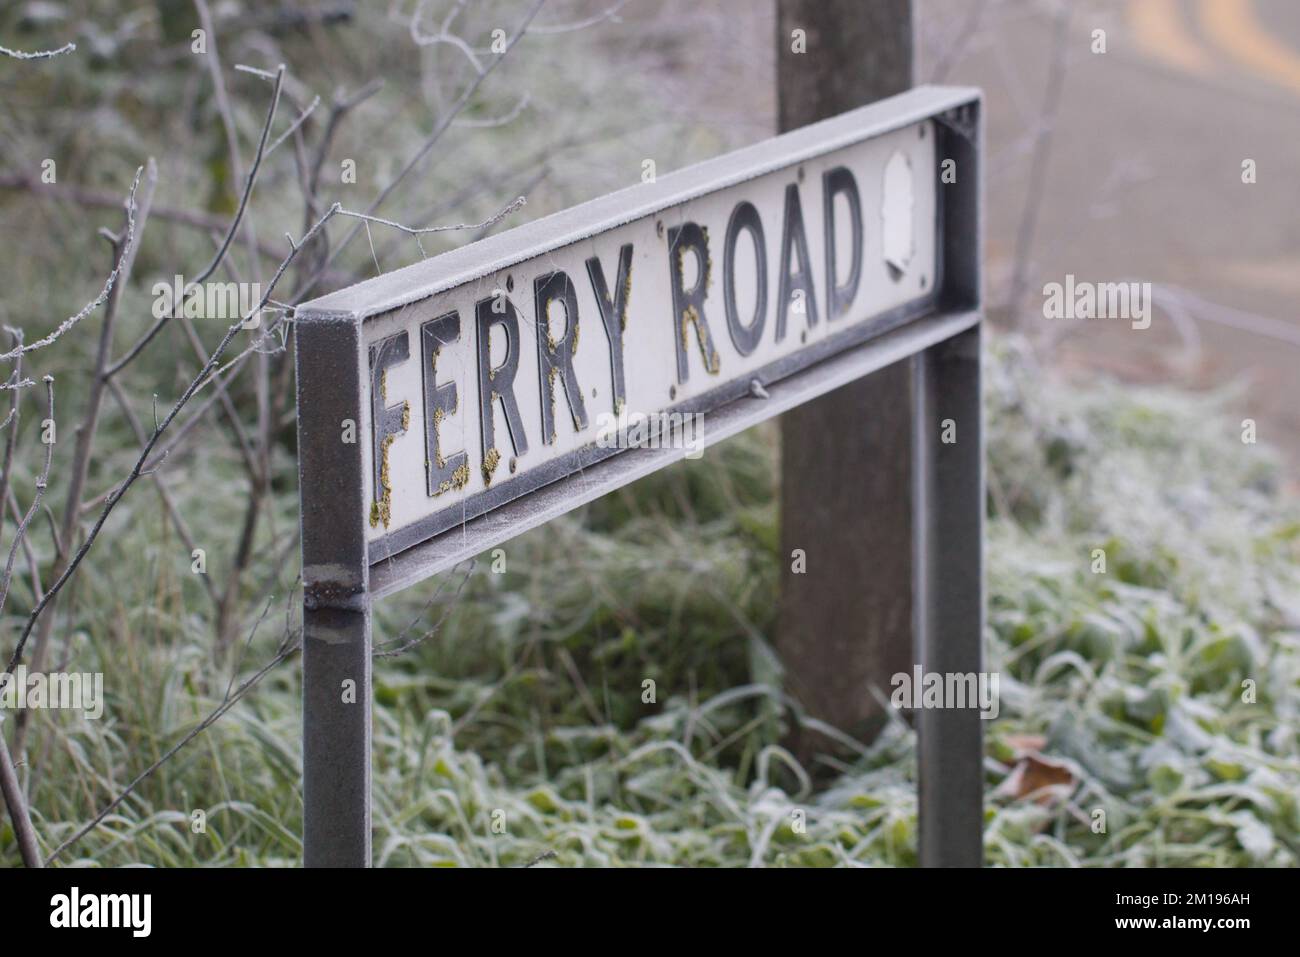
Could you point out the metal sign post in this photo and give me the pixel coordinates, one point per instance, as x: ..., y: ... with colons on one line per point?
x: 449, y: 406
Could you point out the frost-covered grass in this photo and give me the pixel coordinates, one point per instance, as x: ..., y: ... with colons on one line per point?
x: 528, y: 702
x: 1168, y: 685
x: 526, y: 708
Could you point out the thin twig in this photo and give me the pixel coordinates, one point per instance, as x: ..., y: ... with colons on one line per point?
x: 291, y: 643
x: 164, y: 491
x: 124, y: 255
x: 136, y: 469
x: 441, y: 127
x: 38, y: 54
x: 14, y: 414
x: 417, y: 232
x: 341, y: 106
x: 9, y: 785
x: 609, y: 13
x: 99, y: 300
x: 407, y: 646
x: 41, y: 484
x: 230, y: 233
x: 294, y: 125
x: 33, y: 563
x: 12, y: 791
x: 95, y: 199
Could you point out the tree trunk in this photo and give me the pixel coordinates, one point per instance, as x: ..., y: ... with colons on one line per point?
x: 845, y: 623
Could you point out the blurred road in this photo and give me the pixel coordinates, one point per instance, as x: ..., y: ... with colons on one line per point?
x: 1141, y: 151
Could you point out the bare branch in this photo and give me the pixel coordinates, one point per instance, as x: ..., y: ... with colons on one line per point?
x: 9, y: 786
x: 195, y: 219
x: 178, y: 435
x: 164, y: 492
x: 14, y: 408
x: 441, y: 127
x: 12, y: 791
x: 341, y: 106
x: 33, y: 564
x: 204, y: 374
x: 497, y: 120
x: 41, y: 484
x: 417, y: 232
x: 442, y: 36
x: 294, y: 125
x: 38, y: 54
x: 609, y: 13
x: 104, y: 293
x: 230, y: 234
x: 264, y: 74
x: 15, y: 385
x: 403, y: 647
x: 124, y: 255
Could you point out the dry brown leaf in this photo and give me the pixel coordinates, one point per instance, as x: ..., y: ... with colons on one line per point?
x: 1039, y: 778
x: 1022, y: 744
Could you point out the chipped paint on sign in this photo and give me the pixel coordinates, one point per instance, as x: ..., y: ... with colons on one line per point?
x: 857, y: 238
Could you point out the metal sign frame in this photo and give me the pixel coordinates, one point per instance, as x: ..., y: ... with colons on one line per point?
x: 343, y: 573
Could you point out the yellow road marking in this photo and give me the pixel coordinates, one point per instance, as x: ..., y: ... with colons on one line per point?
x: 1235, y: 27
x: 1158, y: 31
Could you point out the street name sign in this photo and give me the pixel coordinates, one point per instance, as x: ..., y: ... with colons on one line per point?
x: 450, y: 405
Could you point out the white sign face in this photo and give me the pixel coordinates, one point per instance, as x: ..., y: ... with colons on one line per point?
x: 497, y: 386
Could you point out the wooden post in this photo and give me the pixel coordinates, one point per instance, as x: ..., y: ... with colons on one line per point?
x: 845, y: 622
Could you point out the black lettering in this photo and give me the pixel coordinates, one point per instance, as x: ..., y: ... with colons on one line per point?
x: 555, y: 358
x: 387, y: 421
x: 839, y: 298
x: 613, y: 315
x: 744, y: 337
x: 794, y: 237
x: 688, y: 305
x: 444, y: 473
x: 498, y: 383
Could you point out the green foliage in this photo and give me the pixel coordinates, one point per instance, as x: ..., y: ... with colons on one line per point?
x: 530, y: 697
x: 528, y: 702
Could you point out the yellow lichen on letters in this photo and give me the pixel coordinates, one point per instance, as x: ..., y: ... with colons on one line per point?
x: 691, y: 317
x: 382, y: 509
x: 490, y: 462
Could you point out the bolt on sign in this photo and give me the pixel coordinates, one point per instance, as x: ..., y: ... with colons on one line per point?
x: 450, y: 405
